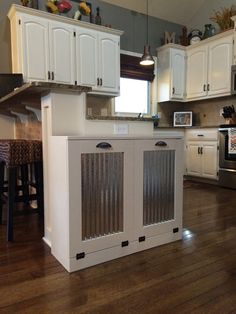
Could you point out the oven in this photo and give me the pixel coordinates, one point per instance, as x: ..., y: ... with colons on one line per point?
x: 227, y: 161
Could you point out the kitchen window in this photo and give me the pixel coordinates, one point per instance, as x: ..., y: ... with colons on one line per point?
x: 135, y: 87
x: 134, y: 97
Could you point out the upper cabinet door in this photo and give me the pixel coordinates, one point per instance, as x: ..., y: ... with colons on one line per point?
x: 86, y: 57
x: 35, y: 52
x: 177, y: 73
x: 109, y: 62
x: 219, y: 66
x: 197, y: 72
x: 61, y: 41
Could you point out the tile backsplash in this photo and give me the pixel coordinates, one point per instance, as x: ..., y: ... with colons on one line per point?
x: 205, y: 112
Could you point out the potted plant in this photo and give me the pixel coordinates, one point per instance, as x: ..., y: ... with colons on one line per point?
x: 223, y: 17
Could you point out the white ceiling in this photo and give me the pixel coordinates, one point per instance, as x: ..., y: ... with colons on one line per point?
x: 177, y: 11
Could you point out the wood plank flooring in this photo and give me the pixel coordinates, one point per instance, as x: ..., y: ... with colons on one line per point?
x: 195, y: 275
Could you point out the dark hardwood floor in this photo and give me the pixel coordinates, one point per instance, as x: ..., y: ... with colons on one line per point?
x: 195, y: 275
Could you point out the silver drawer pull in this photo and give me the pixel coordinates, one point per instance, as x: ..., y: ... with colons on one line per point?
x: 161, y: 143
x: 103, y: 145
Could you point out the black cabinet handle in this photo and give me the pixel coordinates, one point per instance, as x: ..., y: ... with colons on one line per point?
x: 204, y: 87
x: 201, y: 150
x: 173, y: 90
x: 200, y: 135
x: 52, y: 76
x: 161, y: 143
x: 208, y: 87
x: 98, y: 81
x: 103, y: 145
x: 49, y: 75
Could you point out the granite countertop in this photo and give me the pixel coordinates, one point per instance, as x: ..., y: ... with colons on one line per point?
x: 119, y: 118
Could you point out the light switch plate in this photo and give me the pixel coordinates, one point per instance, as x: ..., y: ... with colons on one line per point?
x: 121, y: 128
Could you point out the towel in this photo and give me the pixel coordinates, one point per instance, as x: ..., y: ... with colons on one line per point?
x: 232, y: 141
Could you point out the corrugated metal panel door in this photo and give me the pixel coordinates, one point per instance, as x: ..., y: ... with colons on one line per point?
x: 158, y: 186
x: 102, y: 194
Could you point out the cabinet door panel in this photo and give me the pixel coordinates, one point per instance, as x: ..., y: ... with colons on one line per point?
x: 86, y: 57
x: 210, y: 160
x: 197, y: 72
x: 109, y: 62
x: 35, y: 48
x: 194, y: 160
x: 62, y: 53
x: 101, y: 210
x: 158, y: 198
x: 177, y: 74
x: 219, y: 67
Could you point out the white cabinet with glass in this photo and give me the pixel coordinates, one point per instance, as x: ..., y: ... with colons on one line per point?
x: 209, y: 68
x: 171, y: 73
x: 117, y: 197
x: 202, y: 153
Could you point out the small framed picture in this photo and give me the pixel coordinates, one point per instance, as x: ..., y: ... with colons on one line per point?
x: 183, y: 118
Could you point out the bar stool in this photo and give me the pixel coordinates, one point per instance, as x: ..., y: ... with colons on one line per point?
x: 18, y: 159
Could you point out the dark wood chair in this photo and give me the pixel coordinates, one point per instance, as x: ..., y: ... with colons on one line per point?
x: 21, y: 171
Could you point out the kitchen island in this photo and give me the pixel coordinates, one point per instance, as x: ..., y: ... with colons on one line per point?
x: 113, y: 196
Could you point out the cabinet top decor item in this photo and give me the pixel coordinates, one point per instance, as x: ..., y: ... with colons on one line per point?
x: 223, y: 17
x: 15, y: 8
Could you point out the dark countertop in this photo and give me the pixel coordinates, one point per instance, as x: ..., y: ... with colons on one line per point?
x: 117, y: 118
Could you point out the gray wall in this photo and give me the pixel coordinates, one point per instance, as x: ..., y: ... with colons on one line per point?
x: 202, y: 16
x: 133, y: 24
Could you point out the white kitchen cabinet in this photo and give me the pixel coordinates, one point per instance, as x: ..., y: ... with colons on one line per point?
x: 171, y: 73
x: 209, y: 68
x: 117, y: 197
x: 44, y: 50
x: 158, y: 186
x: 52, y: 48
x: 202, y: 153
x: 32, y: 51
x: 98, y: 64
x: 197, y: 72
x: 61, y: 50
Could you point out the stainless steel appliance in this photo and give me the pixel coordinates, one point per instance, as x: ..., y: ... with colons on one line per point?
x: 227, y: 161
x: 233, y: 79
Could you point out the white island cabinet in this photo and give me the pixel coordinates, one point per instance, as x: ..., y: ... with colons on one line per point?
x: 111, y: 197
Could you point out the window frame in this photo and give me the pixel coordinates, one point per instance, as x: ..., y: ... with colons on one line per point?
x: 150, y: 105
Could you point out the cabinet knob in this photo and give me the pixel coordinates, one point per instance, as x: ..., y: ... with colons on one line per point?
x: 103, y: 145
x: 161, y: 143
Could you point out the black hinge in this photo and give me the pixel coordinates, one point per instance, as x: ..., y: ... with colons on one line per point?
x: 74, y: 34
x: 80, y: 255
x: 175, y: 230
x: 75, y: 82
x: 19, y: 21
x: 141, y: 239
x: 125, y: 243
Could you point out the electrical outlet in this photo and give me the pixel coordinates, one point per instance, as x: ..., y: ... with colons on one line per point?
x: 121, y: 129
